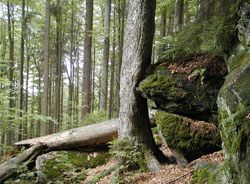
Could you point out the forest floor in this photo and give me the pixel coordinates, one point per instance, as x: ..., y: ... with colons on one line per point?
x: 169, y: 173
x: 72, y: 174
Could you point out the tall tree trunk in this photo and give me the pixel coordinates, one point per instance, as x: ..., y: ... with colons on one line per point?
x: 163, y: 29
x: 186, y: 12
x: 20, y: 133
x: 134, y: 119
x: 10, y: 133
x: 178, y: 15
x: 46, y: 68
x: 112, y: 71
x: 104, y: 83
x: 86, y: 87
x: 57, y: 95
x: 25, y: 125
x: 121, y: 19
x: 93, y: 81
x: 71, y: 81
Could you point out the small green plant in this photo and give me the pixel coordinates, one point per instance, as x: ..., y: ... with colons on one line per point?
x: 129, y: 155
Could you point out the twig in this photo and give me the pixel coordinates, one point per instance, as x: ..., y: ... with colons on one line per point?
x: 176, y: 179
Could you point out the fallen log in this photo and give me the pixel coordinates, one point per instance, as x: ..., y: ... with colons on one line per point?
x: 10, y: 167
x: 93, y: 135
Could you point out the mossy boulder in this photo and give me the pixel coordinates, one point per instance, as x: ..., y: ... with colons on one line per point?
x: 70, y: 165
x: 188, y: 139
x: 187, y: 86
x: 234, y: 107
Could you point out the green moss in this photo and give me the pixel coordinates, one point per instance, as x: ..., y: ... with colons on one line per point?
x: 160, y: 85
x: 66, y: 161
x: 178, y: 135
x: 235, y: 130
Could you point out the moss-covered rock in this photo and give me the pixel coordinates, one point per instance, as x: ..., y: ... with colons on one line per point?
x: 188, y: 86
x: 71, y: 165
x: 234, y: 107
x: 186, y: 137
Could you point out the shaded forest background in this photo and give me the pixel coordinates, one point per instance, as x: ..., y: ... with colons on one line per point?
x: 60, y: 60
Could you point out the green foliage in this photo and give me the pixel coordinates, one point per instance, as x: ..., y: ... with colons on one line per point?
x: 206, y: 174
x: 95, y: 117
x: 131, y: 156
x: 215, y: 35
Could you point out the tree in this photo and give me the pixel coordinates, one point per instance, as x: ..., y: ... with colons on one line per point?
x: 178, y: 15
x: 134, y: 120
x: 46, y: 68
x: 21, y: 69
x: 10, y: 133
x: 121, y: 20
x: 104, y: 83
x: 86, y: 86
x: 112, y: 68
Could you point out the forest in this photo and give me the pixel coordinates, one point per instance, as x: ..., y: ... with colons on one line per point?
x: 125, y: 91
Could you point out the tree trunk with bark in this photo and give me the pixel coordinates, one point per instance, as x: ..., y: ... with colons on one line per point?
x: 20, y: 134
x: 57, y: 95
x: 121, y: 20
x: 134, y: 119
x: 46, y: 68
x: 104, y: 82
x: 10, y: 132
x: 86, y: 86
x: 112, y: 71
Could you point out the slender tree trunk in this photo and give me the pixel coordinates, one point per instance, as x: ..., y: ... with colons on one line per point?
x: 178, y: 15
x: 104, y: 84
x: 46, y: 69
x: 38, y: 134
x: 20, y: 133
x: 10, y: 133
x: 186, y: 12
x: 121, y: 19
x: 93, y: 81
x: 57, y: 95
x: 25, y: 125
x: 112, y: 72
x: 163, y: 29
x: 134, y: 119
x: 50, y: 99
x: 86, y: 87
x: 71, y: 80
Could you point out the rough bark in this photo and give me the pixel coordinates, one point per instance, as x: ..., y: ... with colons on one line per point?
x: 20, y: 134
x: 10, y: 167
x: 104, y: 83
x: 58, y: 65
x: 10, y: 132
x: 111, y: 97
x: 46, y: 68
x: 86, y: 87
x: 87, y: 136
x: 121, y: 19
x: 134, y: 119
